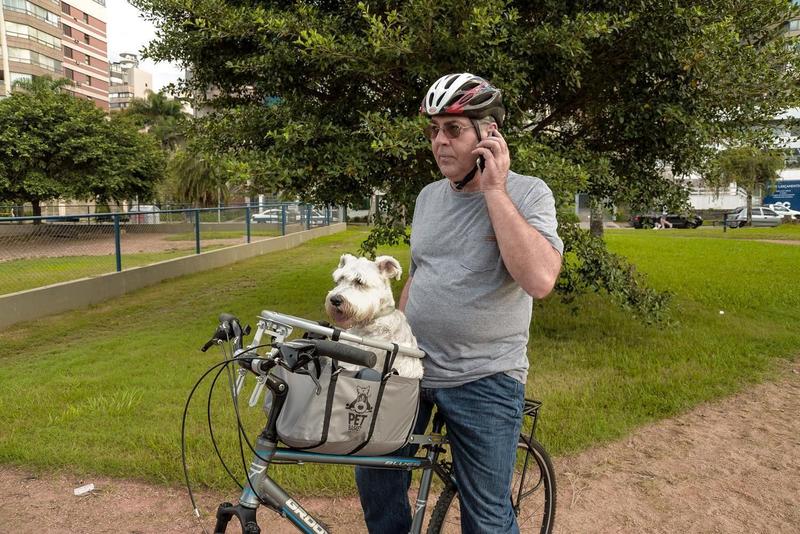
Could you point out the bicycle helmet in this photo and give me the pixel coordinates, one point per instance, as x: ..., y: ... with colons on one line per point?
x: 464, y: 94
x: 468, y: 95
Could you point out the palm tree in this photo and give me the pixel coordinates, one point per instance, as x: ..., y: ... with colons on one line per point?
x: 160, y: 116
x: 198, y: 178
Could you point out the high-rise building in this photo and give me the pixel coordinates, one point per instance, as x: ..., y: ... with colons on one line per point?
x: 30, y: 41
x: 55, y: 39
x: 128, y: 81
x: 85, y: 49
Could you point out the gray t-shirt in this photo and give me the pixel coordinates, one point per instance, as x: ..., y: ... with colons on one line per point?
x: 465, y: 309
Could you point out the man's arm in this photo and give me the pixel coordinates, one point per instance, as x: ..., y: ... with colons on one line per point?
x: 530, y: 258
x: 404, y: 295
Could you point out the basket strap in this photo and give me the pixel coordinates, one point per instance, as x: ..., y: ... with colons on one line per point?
x: 387, y: 367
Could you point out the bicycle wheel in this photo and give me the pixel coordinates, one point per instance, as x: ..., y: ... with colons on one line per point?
x: 533, y: 495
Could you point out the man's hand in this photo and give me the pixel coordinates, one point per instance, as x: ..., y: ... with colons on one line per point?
x: 498, y: 160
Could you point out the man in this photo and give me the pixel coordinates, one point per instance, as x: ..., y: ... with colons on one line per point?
x: 483, y: 245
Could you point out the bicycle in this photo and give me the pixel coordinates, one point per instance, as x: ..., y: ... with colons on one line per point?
x: 534, y: 487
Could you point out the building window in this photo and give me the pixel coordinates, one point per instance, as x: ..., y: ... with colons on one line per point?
x: 17, y: 77
x: 67, y: 52
x: 88, y: 60
x: 68, y: 31
x: 69, y: 73
x: 86, y: 18
x: 23, y: 31
x: 88, y: 80
x: 65, y: 8
x: 87, y: 39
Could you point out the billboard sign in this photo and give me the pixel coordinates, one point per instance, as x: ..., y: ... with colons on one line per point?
x: 785, y: 191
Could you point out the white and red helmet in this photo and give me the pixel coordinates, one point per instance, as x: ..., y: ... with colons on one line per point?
x: 464, y: 94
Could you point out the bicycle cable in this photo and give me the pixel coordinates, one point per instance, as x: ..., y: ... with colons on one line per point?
x: 183, y: 439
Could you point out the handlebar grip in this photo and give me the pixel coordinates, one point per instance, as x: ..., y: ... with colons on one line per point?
x: 227, y: 317
x: 345, y: 353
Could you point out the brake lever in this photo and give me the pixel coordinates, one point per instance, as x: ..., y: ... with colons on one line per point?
x: 261, y: 381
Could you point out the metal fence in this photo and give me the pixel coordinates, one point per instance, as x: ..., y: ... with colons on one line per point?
x: 38, y: 251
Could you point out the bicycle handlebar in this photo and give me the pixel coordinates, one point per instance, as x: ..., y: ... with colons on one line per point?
x: 344, y: 353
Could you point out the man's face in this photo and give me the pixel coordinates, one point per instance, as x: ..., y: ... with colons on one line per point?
x: 453, y: 156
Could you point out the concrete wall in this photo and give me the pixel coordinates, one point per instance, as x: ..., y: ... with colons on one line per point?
x: 57, y: 298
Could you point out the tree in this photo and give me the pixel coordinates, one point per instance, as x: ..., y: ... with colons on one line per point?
x: 603, y: 96
x: 198, y: 178
x: 53, y: 145
x: 753, y: 169
x: 162, y: 117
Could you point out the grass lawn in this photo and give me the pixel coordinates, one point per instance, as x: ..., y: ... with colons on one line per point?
x: 783, y: 232
x: 102, y: 390
x: 19, y: 275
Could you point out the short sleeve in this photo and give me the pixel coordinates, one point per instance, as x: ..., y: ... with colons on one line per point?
x: 539, y: 209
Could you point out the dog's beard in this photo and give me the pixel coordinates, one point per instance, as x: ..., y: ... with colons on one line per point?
x: 348, y: 315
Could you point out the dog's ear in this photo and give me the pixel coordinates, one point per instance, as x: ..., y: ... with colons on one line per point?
x: 389, y: 267
x: 344, y: 259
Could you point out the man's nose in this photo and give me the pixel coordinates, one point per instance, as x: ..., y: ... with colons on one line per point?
x: 441, y: 137
x: 336, y: 300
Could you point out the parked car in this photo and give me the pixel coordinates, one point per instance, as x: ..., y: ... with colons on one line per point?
x: 677, y: 221
x: 761, y: 216
x: 272, y: 215
x: 784, y: 210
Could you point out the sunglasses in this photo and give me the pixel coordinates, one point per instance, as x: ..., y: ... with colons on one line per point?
x: 451, y: 130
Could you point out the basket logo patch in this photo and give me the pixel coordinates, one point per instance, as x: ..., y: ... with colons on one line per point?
x: 359, y: 409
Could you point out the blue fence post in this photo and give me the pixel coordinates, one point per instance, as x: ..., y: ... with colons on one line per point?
x: 247, y: 221
x: 283, y: 219
x: 327, y: 215
x: 117, y: 243
x: 197, y: 231
x: 308, y: 216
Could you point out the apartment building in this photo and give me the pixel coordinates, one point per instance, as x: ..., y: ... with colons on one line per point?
x: 55, y: 39
x: 128, y: 81
x: 85, y: 49
x: 30, y: 41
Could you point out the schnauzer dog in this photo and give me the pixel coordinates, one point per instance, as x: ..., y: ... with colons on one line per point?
x: 363, y: 304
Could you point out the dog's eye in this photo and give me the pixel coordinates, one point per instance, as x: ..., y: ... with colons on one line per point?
x: 358, y: 282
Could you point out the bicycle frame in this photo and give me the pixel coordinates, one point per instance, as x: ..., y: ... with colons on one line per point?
x: 261, y: 489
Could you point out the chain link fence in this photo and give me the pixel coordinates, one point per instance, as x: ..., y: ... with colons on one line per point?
x: 44, y: 250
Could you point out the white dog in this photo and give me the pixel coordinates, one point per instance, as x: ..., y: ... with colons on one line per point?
x: 363, y: 304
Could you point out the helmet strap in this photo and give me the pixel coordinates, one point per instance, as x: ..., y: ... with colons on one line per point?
x: 471, y: 174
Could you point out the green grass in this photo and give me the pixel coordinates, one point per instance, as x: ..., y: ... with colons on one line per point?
x: 783, y: 232
x: 19, y: 275
x: 102, y: 390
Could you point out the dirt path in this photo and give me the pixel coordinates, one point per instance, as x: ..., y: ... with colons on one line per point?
x: 728, y: 467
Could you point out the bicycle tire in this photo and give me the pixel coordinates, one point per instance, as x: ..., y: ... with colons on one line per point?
x: 535, y: 510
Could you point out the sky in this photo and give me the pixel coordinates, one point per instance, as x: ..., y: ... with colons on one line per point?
x: 128, y: 32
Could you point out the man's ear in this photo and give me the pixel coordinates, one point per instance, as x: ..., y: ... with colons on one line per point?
x: 389, y: 267
x: 344, y: 259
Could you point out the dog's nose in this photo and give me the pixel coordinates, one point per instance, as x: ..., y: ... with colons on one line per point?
x: 336, y: 300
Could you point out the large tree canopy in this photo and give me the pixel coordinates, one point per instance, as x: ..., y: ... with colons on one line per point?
x: 602, y: 95
x: 54, y: 145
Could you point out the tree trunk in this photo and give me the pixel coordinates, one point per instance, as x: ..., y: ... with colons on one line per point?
x: 37, y: 210
x: 749, y: 209
x: 596, y: 220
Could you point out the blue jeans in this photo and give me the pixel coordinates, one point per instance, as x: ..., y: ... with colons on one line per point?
x: 483, y: 420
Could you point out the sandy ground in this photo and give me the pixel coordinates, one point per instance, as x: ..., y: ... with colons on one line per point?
x: 731, y: 466
x: 100, y: 243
